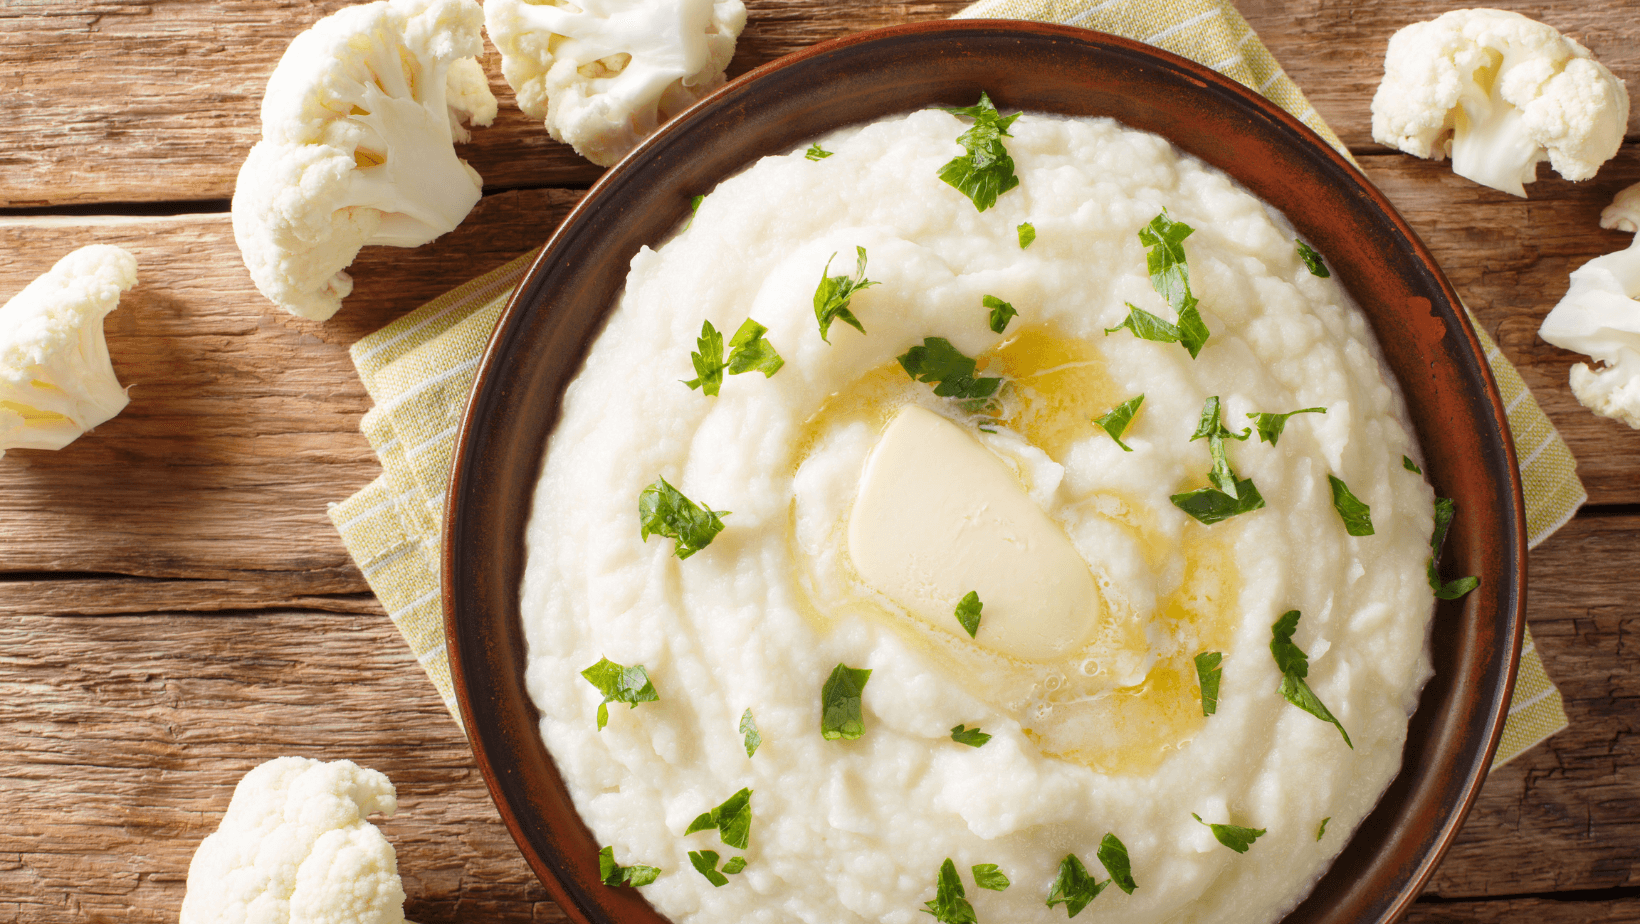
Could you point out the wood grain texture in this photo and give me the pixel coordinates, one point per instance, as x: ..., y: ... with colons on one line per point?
x: 121, y: 739
x: 243, y: 421
x: 179, y: 83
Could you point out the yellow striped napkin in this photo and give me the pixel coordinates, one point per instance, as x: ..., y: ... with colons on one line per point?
x: 419, y: 371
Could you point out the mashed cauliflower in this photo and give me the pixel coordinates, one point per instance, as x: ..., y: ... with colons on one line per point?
x: 1104, y: 734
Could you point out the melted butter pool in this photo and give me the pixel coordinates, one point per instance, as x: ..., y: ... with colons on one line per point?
x: 1128, y: 697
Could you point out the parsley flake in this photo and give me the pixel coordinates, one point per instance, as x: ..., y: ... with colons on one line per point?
x: 732, y: 819
x: 1146, y: 326
x: 832, y: 296
x: 985, y: 171
x: 1027, y: 234
x: 1445, y: 510
x: 950, y: 904
x: 841, y: 715
x: 735, y: 865
x: 968, y: 612
x: 1294, y: 665
x: 705, y: 862
x: 708, y: 360
x: 1001, y: 313
x: 750, y: 352
x: 748, y: 731
x: 952, y: 374
x: 1170, y: 277
x: 1312, y: 260
x: 1235, y: 837
x: 629, y: 876
x: 990, y: 876
x: 1073, y: 887
x: 619, y: 684
x: 694, y: 206
x: 1411, y: 466
x: 1270, y: 425
x: 1115, y: 421
x: 1207, y: 676
x: 1113, y: 856
x: 1323, y: 829
x: 1357, y: 516
x: 1227, y: 495
x: 972, y: 737
x: 816, y: 152
x: 664, y: 511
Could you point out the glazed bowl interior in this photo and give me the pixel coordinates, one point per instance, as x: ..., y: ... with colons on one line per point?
x: 1429, y: 346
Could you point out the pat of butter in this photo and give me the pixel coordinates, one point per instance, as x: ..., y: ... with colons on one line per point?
x: 939, y: 515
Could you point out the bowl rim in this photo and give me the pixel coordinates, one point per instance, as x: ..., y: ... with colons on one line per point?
x: 472, y: 661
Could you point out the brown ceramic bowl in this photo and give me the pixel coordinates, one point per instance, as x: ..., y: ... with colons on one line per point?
x: 1429, y: 344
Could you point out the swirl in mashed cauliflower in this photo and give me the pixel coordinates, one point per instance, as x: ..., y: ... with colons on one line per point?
x: 1097, y: 727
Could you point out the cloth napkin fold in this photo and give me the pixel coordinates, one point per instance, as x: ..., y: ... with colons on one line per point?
x: 419, y: 371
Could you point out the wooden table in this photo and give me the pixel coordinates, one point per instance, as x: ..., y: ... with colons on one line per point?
x: 176, y: 608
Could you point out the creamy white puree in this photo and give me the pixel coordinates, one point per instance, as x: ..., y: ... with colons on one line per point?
x: 1094, y: 711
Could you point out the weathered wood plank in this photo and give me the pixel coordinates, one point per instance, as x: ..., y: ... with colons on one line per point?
x: 128, y: 733
x: 1535, y: 910
x: 179, y: 83
x: 243, y: 421
x: 329, y: 591
x: 1566, y: 815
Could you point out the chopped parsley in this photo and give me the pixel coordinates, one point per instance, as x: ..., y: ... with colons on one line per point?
x: 732, y: 819
x: 816, y: 152
x: 1445, y: 510
x: 1227, y: 495
x: 972, y: 737
x: 1207, y: 675
x: 985, y: 171
x: 1312, y: 260
x: 1411, y: 466
x: 1027, y: 234
x: 1270, y: 425
x: 1170, y: 277
x: 735, y: 865
x: 1235, y: 837
x: 1294, y: 665
x: 1115, y: 421
x: 1357, y: 516
x: 952, y: 374
x: 1323, y: 829
x: 1113, y: 856
x: 664, y: 511
x: 705, y: 862
x: 1001, y: 313
x: 694, y: 206
x: 708, y: 360
x: 832, y: 296
x: 619, y: 684
x: 989, y: 876
x: 840, y: 712
x: 950, y: 904
x: 968, y: 612
x: 748, y: 731
x: 629, y: 876
x: 1073, y: 887
x: 749, y: 351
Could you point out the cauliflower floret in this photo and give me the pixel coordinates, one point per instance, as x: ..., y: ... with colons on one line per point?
x: 1600, y: 316
x: 295, y: 848
x: 604, y: 74
x: 1499, y: 93
x: 359, y: 124
x: 56, y: 380
x: 1624, y: 212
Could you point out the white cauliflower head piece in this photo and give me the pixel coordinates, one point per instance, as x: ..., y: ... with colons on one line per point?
x: 1600, y: 317
x: 359, y: 124
x: 1499, y: 93
x: 295, y: 848
x: 56, y: 378
x: 604, y: 74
